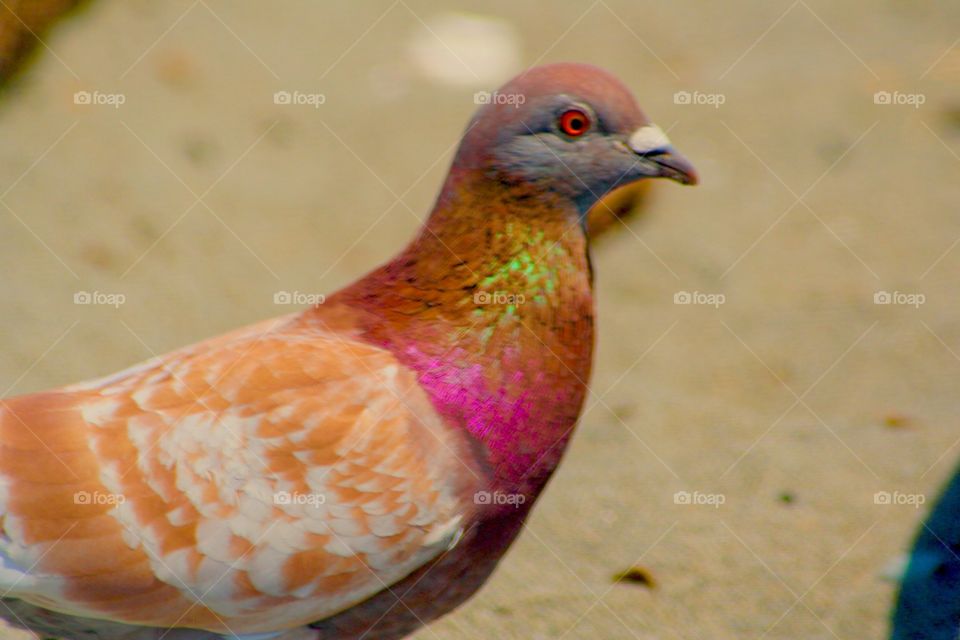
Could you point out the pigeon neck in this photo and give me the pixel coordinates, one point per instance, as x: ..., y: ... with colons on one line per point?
x: 492, y: 306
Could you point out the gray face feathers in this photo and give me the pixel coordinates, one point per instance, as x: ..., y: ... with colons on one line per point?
x: 570, y: 128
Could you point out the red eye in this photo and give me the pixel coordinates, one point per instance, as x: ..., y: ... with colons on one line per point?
x: 574, y: 122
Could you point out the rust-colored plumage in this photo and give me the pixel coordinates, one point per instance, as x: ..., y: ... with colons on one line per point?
x: 358, y: 468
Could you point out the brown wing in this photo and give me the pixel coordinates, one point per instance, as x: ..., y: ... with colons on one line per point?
x: 255, y: 482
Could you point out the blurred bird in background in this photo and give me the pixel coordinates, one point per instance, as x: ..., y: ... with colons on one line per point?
x: 928, y: 607
x: 21, y: 24
x: 357, y: 469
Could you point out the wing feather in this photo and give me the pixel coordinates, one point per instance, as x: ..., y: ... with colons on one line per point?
x: 258, y: 481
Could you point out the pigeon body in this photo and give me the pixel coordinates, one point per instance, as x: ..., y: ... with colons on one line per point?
x: 928, y: 606
x: 357, y: 469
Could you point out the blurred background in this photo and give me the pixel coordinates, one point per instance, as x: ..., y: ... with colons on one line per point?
x: 775, y: 393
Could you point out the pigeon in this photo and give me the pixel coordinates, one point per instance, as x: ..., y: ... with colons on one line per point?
x: 928, y: 605
x: 357, y: 469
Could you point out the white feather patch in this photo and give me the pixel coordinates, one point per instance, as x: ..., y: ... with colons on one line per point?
x: 99, y: 412
x: 446, y: 534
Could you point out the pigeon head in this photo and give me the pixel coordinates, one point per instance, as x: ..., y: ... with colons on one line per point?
x: 573, y: 129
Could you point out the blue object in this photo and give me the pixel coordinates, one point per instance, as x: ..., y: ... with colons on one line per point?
x: 928, y: 607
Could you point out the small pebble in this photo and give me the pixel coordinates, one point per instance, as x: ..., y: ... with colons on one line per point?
x: 636, y: 575
x: 896, y: 420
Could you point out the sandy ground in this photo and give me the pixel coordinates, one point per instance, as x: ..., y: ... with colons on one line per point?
x: 794, y: 402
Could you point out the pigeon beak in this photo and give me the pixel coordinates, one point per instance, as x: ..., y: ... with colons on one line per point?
x: 671, y: 164
x: 651, y: 143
